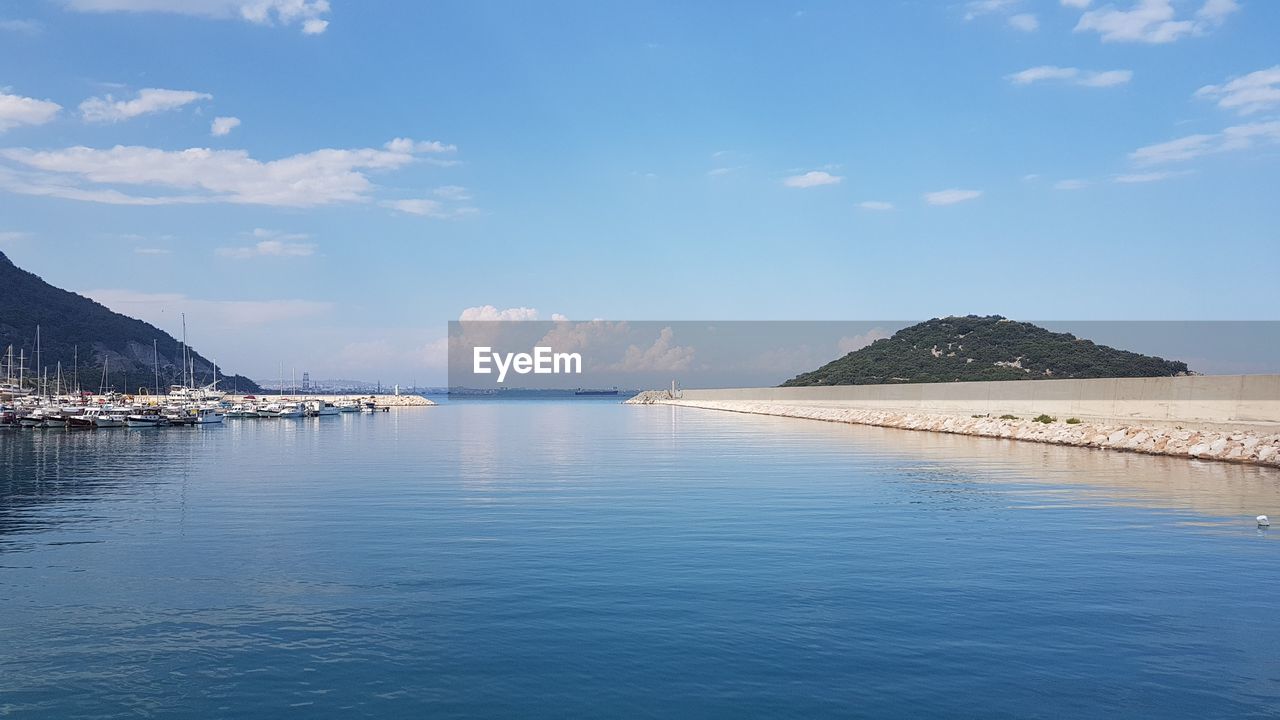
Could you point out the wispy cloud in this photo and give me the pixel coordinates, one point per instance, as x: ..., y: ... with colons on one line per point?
x: 25, y: 27
x: 307, y: 14
x: 1248, y: 94
x: 1148, y: 177
x: 222, y: 126
x: 1238, y: 137
x: 951, y: 197
x: 149, y: 100
x: 10, y: 237
x: 202, y: 175
x: 878, y: 205
x: 1075, y: 76
x: 152, y: 251
x: 1154, y: 21
x: 1070, y: 184
x: 978, y: 8
x: 271, y: 244
x: 443, y: 205
x: 1026, y: 22
x: 813, y: 178
x: 17, y: 110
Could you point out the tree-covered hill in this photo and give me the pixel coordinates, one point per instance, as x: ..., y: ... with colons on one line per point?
x: 69, y: 323
x: 958, y: 349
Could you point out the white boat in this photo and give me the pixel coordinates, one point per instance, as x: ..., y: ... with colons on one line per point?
x: 242, y: 410
x: 109, y: 419
x: 290, y: 410
x: 270, y: 410
x: 348, y: 405
x: 85, y: 420
x: 206, y: 416
x: 148, y: 417
x: 321, y: 408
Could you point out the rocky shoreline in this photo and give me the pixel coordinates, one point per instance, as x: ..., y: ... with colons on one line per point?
x: 1253, y: 447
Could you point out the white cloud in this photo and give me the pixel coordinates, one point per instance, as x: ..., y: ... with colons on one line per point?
x: 847, y: 345
x: 151, y: 251
x: 1070, y: 184
x: 26, y: 27
x: 1026, y: 22
x: 1075, y: 76
x: 490, y: 313
x: 452, y: 192
x: 223, y: 126
x: 1153, y: 21
x: 662, y: 356
x: 1248, y: 94
x: 1078, y: 4
x: 1106, y: 78
x: 1238, y: 137
x: 429, y: 207
x: 1147, y: 177
x: 162, y: 308
x: 976, y: 8
x: 813, y: 178
x: 271, y: 243
x: 1215, y: 12
x: 202, y: 175
x: 269, y: 248
x: 875, y: 205
x: 951, y: 197
x: 10, y: 237
x: 17, y: 110
x: 307, y: 13
x: 149, y: 100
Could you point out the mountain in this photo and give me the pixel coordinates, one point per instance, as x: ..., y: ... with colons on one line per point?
x: 69, y: 321
x: 961, y: 349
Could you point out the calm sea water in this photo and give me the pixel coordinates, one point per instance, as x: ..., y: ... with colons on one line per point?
x: 586, y: 559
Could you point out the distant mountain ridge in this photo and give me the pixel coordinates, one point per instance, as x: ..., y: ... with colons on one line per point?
x: 69, y: 321
x: 974, y: 348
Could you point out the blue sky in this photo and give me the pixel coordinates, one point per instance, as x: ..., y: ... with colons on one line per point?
x: 396, y: 163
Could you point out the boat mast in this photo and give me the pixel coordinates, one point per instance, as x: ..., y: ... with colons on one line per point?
x: 155, y: 362
x: 184, y: 350
x: 39, y: 372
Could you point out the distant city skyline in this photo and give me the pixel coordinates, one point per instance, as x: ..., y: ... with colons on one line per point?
x: 328, y: 184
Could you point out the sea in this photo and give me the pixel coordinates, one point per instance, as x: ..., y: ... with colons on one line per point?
x: 579, y: 558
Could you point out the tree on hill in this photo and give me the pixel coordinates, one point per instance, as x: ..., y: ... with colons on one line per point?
x: 973, y: 348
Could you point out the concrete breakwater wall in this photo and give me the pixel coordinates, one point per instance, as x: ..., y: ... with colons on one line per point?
x: 1226, y: 401
x: 1229, y: 418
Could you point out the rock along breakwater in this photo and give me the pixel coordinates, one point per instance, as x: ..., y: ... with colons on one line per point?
x: 1229, y: 445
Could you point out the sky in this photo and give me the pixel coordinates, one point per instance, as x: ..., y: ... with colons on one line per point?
x: 326, y: 185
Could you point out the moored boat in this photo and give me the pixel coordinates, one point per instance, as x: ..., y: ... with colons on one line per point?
x: 148, y: 417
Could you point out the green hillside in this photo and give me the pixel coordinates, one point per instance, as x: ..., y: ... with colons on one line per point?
x: 70, y: 322
x: 971, y: 348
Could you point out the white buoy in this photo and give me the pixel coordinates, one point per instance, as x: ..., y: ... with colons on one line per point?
x: 1264, y: 521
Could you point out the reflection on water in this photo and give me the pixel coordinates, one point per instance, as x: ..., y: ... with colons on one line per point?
x: 589, y: 559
